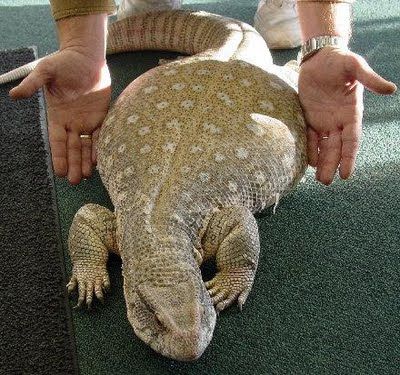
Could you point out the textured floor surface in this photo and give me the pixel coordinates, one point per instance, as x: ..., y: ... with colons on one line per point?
x: 36, y: 335
x: 326, y: 296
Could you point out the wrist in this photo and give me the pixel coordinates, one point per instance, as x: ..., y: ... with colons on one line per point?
x: 323, y: 18
x: 86, y: 34
x: 316, y: 44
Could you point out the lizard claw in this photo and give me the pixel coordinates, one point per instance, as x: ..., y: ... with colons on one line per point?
x: 88, y: 283
x: 228, y: 286
x: 72, y: 284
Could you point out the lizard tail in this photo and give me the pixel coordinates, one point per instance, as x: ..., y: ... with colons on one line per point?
x: 192, y: 33
x: 21, y: 71
x: 184, y: 31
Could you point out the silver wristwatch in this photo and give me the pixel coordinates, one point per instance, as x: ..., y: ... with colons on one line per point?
x: 311, y: 46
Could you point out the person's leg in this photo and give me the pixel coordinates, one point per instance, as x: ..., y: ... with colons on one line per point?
x: 278, y: 23
x: 130, y: 7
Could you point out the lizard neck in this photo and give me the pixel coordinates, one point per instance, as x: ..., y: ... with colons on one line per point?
x: 149, y: 245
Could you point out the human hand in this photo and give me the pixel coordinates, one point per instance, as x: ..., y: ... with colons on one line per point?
x: 331, y: 85
x: 77, y: 88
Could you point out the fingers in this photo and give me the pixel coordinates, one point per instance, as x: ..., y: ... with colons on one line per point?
x: 312, y: 146
x: 33, y: 82
x: 58, y: 144
x: 86, y: 157
x: 74, y: 158
x: 350, y: 147
x: 370, y: 79
x: 71, y: 155
x: 329, y: 157
x: 337, y: 150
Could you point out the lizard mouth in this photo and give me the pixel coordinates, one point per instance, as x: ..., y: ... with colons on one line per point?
x: 172, y: 323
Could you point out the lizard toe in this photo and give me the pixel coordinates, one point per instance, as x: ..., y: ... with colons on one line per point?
x: 81, y: 295
x: 214, y: 291
x: 229, y: 286
x: 209, y: 284
x: 106, y: 282
x: 222, y: 295
x: 92, y: 283
x: 243, y: 297
x: 89, y: 295
x: 73, y: 283
x: 98, y: 290
x: 226, y: 302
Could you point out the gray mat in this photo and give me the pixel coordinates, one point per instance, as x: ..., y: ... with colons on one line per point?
x: 36, y: 335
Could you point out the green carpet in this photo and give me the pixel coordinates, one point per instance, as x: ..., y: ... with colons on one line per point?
x: 326, y: 296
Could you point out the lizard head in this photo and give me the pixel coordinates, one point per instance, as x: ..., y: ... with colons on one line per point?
x: 171, y: 311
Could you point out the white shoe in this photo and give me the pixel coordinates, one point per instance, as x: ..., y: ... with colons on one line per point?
x: 131, y: 7
x: 278, y: 23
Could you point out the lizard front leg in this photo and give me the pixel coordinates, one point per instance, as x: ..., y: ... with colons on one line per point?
x: 92, y: 235
x: 232, y: 237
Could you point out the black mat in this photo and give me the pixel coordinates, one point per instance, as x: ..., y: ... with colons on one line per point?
x: 36, y: 335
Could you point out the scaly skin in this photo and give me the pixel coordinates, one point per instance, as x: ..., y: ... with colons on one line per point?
x: 188, y: 153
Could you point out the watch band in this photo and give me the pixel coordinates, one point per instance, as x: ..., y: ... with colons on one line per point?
x: 311, y: 46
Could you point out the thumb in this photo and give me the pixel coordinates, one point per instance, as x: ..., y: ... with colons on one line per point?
x: 33, y: 82
x: 370, y: 79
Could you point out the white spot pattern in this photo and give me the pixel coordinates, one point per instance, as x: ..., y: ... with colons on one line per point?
x: 150, y: 89
x: 132, y: 119
x: 169, y: 147
x: 228, y: 77
x: 154, y: 169
x: 260, y: 177
x: 267, y: 105
x: 256, y: 129
x: 198, y: 88
x: 170, y: 72
x: 225, y: 98
x: 245, y: 82
x: 178, y: 86
x: 219, y: 157
x: 211, y: 128
x: 187, y: 104
x: 162, y: 105
x: 241, y: 153
x: 107, y: 139
x: 122, y: 148
x: 144, y: 130
x: 204, y: 177
x: 232, y: 186
x: 276, y: 86
x: 145, y: 149
x: 222, y: 95
x: 195, y: 149
x: 173, y: 124
x: 204, y: 72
